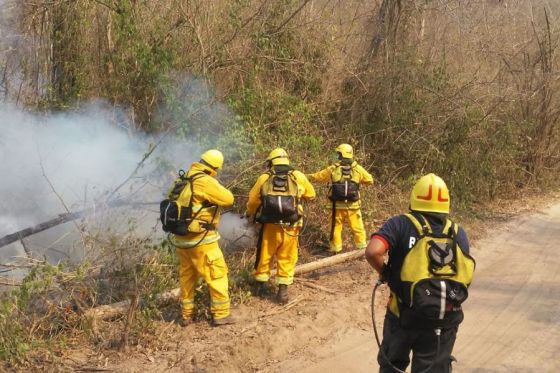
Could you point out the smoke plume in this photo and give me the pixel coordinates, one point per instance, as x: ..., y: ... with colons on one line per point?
x: 54, y: 163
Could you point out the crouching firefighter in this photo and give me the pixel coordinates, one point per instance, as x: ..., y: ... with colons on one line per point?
x: 191, y: 214
x: 345, y: 177
x: 429, y: 271
x: 276, y: 201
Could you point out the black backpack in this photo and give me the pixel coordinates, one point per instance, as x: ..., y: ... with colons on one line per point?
x: 279, y: 199
x: 174, y: 217
x: 343, y: 187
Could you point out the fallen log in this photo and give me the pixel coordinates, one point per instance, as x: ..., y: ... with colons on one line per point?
x: 111, y: 311
x: 328, y: 262
x: 114, y: 310
x: 61, y: 219
x: 69, y: 216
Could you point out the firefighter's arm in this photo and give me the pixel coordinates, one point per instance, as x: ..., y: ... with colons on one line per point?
x: 366, y: 178
x: 217, y: 194
x: 255, y: 195
x: 322, y: 176
x: 309, y: 191
x: 375, y: 253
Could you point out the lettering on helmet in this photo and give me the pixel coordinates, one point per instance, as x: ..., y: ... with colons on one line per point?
x: 440, y: 198
x: 411, y: 242
x: 427, y: 197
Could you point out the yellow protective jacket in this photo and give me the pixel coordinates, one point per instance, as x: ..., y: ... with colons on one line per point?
x: 359, y: 175
x: 305, y: 189
x: 208, y: 196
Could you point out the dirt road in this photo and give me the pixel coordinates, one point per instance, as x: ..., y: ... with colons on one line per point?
x: 513, y: 317
x: 512, y: 321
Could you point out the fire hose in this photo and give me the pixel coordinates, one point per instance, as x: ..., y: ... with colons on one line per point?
x: 381, y: 352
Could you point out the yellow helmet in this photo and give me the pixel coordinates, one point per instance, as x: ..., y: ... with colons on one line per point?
x: 278, y: 157
x: 345, y: 151
x: 213, y: 158
x: 430, y: 194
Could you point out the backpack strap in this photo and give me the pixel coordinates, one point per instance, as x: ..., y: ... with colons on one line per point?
x: 295, y: 181
x: 191, y: 179
x: 333, y: 218
x: 355, y: 172
x: 270, y: 173
x: 449, y: 227
x: 337, y: 165
x: 452, y: 232
x: 423, y: 227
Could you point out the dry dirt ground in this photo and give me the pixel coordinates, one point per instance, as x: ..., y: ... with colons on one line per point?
x: 512, y: 318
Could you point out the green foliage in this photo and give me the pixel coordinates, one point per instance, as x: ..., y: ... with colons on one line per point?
x: 14, y: 340
x: 248, y: 76
x: 416, y: 126
x: 240, y: 279
x: 275, y: 119
x: 48, y: 306
x: 37, y: 314
x: 139, y: 62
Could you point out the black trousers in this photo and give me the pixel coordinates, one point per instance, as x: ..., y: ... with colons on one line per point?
x: 398, y: 342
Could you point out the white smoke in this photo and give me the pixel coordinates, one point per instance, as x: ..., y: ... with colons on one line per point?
x: 236, y: 232
x: 50, y: 164
x: 54, y: 163
x: 64, y: 161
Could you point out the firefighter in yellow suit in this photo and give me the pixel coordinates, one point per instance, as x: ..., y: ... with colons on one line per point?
x: 344, y: 210
x: 198, y: 251
x: 278, y: 239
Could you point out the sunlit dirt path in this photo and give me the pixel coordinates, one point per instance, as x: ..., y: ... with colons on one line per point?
x: 512, y: 321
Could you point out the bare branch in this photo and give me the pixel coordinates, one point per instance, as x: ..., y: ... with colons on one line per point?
x: 285, y: 22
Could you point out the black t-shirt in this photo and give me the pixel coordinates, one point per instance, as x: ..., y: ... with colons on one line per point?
x: 400, y: 234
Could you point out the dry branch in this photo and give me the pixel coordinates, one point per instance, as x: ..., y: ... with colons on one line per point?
x: 313, y: 285
x: 9, y: 282
x: 111, y: 311
x: 61, y: 219
x: 285, y: 308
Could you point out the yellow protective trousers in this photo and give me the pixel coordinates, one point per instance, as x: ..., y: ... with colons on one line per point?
x: 280, y: 241
x: 206, y: 261
x: 354, y: 218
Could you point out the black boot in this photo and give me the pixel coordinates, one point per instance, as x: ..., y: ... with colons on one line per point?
x: 282, y: 296
x: 259, y: 289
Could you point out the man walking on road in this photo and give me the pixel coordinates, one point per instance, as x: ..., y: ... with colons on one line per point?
x: 428, y: 272
x: 345, y: 177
